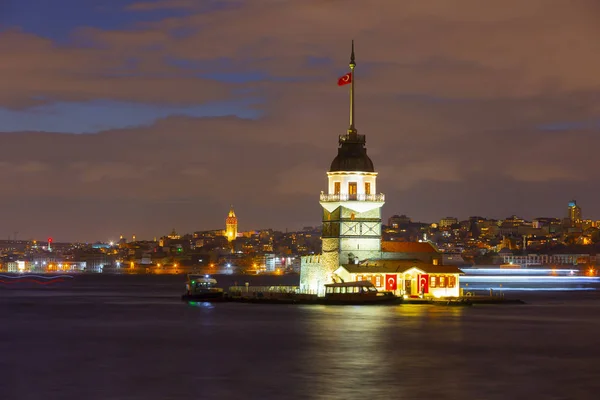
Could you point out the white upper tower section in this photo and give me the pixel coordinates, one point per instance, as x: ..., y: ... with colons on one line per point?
x: 352, y: 185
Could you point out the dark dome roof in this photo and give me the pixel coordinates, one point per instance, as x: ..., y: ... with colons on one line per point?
x: 352, y: 155
x: 345, y: 163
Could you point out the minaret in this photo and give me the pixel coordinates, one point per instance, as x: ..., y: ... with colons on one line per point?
x: 231, y: 225
x: 351, y: 206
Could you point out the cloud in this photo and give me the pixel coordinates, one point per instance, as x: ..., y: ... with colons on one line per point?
x: 299, y: 179
x: 527, y: 48
x: 455, y: 100
x: 404, y: 176
x: 540, y: 172
x: 36, y: 71
x: 31, y: 167
x: 161, y: 5
x: 195, y: 171
x: 104, y: 171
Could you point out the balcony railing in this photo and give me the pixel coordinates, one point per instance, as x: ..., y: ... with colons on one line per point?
x: 352, y: 197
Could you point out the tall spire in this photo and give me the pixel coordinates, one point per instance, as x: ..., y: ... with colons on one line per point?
x: 352, y: 129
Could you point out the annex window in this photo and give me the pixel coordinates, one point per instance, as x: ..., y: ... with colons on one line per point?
x: 367, y: 187
x: 378, y: 280
x: 451, y: 281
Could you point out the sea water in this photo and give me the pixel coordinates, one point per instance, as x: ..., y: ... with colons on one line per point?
x: 130, y: 337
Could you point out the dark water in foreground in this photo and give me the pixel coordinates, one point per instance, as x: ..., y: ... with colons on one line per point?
x: 99, y: 337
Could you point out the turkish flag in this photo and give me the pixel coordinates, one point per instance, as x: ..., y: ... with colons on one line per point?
x: 346, y: 79
x: 390, y: 282
x: 423, y: 283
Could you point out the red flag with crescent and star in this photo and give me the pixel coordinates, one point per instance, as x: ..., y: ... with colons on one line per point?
x: 390, y: 282
x: 423, y: 283
x: 346, y: 79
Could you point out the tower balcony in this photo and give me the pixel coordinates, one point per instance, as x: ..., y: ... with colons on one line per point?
x: 325, y: 197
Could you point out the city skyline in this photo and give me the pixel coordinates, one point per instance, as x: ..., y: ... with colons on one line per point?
x: 154, y: 115
x: 229, y: 227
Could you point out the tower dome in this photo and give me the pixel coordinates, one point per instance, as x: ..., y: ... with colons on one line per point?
x: 352, y: 155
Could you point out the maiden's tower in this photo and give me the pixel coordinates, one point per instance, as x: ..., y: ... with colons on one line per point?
x: 351, y: 206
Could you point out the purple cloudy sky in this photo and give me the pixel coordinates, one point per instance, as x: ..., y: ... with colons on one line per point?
x: 136, y: 117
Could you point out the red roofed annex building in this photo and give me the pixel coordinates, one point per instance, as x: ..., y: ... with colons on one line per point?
x: 412, y: 278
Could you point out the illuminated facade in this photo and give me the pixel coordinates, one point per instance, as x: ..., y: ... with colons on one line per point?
x: 231, y: 225
x: 351, y: 209
x: 411, y: 278
x: 173, y: 235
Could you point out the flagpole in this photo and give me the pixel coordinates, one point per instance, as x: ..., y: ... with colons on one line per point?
x: 352, y: 129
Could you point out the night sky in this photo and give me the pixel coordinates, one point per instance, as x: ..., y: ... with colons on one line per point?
x: 124, y: 117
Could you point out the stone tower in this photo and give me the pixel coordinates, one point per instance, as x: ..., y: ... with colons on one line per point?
x: 351, y: 207
x: 231, y: 224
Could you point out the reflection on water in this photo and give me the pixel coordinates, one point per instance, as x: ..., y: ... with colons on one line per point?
x: 111, y: 338
x: 370, y: 349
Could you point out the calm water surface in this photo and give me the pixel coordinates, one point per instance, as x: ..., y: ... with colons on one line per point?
x: 99, y: 337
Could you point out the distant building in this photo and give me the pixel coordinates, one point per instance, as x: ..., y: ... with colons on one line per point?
x: 231, y: 225
x: 396, y: 221
x: 574, y: 213
x: 448, y: 222
x: 174, y: 235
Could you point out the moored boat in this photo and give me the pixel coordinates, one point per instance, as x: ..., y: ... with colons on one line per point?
x: 202, y: 288
x: 357, y: 293
x: 348, y: 293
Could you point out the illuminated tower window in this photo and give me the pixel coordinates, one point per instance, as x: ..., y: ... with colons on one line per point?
x: 352, y: 189
x: 337, y: 187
